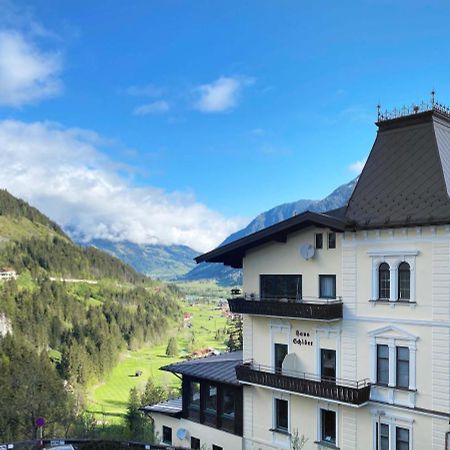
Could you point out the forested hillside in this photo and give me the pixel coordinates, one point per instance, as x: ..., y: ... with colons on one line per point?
x: 66, y: 335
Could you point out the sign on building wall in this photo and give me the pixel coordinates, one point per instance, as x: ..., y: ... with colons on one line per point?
x: 302, y: 338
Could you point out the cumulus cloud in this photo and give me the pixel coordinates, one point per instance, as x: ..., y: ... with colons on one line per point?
x: 66, y: 174
x: 221, y: 95
x: 27, y: 74
x: 357, y: 166
x: 158, y: 107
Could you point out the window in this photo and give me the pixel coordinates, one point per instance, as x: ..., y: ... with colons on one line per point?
x: 403, y: 367
x: 194, y: 395
x: 401, y: 438
x: 382, y: 364
x: 216, y: 447
x: 228, y: 409
x: 382, y: 437
x: 195, y: 443
x: 281, y: 287
x: 327, y: 286
x: 384, y: 282
x: 404, y: 281
x: 167, y: 435
x: 331, y: 240
x: 210, y: 399
x: 281, y: 415
x: 328, y: 363
x: 328, y: 426
x: 280, y: 351
x: 319, y: 240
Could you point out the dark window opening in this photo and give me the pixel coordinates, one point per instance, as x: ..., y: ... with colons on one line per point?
x: 195, y: 443
x: 384, y: 282
x: 281, y: 351
x: 403, y: 367
x: 166, y: 435
x: 382, y: 364
x: 210, y: 403
x: 216, y: 447
x: 328, y: 364
x: 276, y: 287
x: 331, y: 240
x: 382, y: 437
x: 319, y: 240
x: 281, y: 415
x: 401, y: 439
x: 404, y: 281
x: 327, y: 286
x: 328, y: 426
x: 194, y: 395
x: 228, y: 409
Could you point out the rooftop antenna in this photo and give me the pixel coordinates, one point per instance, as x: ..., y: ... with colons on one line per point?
x: 433, y: 98
x: 378, y: 111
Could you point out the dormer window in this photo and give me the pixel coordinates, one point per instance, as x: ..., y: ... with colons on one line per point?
x: 384, y: 281
x: 404, y: 281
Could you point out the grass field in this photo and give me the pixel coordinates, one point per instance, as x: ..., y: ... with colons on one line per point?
x: 109, y: 399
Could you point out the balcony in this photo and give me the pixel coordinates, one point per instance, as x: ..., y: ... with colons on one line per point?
x: 354, y: 393
x: 308, y: 308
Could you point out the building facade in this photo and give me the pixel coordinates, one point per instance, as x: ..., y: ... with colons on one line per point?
x: 347, y: 313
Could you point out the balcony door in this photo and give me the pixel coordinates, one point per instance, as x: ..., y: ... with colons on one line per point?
x: 281, y: 287
x: 328, y: 364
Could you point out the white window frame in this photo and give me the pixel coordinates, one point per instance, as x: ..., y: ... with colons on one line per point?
x: 393, y: 421
x: 393, y: 337
x: 394, y: 258
x: 327, y: 407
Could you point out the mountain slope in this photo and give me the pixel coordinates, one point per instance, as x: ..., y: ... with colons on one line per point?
x: 155, y: 260
x: 227, y: 276
x: 31, y: 241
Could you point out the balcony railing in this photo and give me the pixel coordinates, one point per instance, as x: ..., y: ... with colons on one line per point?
x: 340, y: 390
x: 311, y: 308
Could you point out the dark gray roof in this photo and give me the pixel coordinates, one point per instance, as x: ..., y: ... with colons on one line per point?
x: 172, y: 407
x: 406, y: 180
x: 220, y: 368
x: 232, y: 254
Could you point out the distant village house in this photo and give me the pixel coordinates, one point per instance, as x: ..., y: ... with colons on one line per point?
x: 7, y: 273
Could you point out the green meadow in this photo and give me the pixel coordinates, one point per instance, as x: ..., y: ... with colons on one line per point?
x: 108, y: 400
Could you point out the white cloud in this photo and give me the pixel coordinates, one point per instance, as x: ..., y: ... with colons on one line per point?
x: 357, y: 166
x: 220, y: 95
x: 64, y: 173
x: 27, y: 74
x: 158, y: 107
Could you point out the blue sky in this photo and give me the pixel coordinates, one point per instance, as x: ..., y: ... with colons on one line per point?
x: 231, y: 107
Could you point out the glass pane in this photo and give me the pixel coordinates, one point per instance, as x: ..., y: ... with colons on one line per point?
x: 328, y: 363
x: 383, y: 436
x: 382, y: 364
x: 328, y: 426
x: 228, y: 403
x: 403, y: 367
x: 319, y: 240
x: 331, y: 240
x: 281, y: 286
x: 281, y: 414
x: 211, y: 399
x: 404, y: 276
x: 402, y: 439
x: 327, y: 286
x: 384, y: 279
x: 194, y: 400
x: 281, y: 351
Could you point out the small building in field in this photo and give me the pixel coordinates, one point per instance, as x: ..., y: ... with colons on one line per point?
x: 7, y: 273
x: 210, y: 412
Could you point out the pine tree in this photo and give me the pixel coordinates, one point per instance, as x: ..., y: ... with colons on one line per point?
x: 172, y: 347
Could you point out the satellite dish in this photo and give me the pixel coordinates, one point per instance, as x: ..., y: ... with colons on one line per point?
x: 182, y: 433
x: 307, y: 251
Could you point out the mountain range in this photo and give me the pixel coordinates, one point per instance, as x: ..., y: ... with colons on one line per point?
x: 176, y: 261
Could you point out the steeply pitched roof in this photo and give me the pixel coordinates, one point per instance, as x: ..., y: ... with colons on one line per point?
x: 406, y: 180
x: 232, y: 254
x: 220, y: 368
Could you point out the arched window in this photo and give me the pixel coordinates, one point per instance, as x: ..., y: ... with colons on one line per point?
x: 384, y: 281
x: 404, y: 281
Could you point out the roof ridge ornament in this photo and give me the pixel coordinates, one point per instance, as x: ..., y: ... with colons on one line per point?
x: 415, y: 108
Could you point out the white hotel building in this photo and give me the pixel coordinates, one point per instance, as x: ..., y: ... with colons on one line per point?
x: 347, y: 313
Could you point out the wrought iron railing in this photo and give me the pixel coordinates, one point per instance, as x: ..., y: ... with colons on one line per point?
x: 336, y: 389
